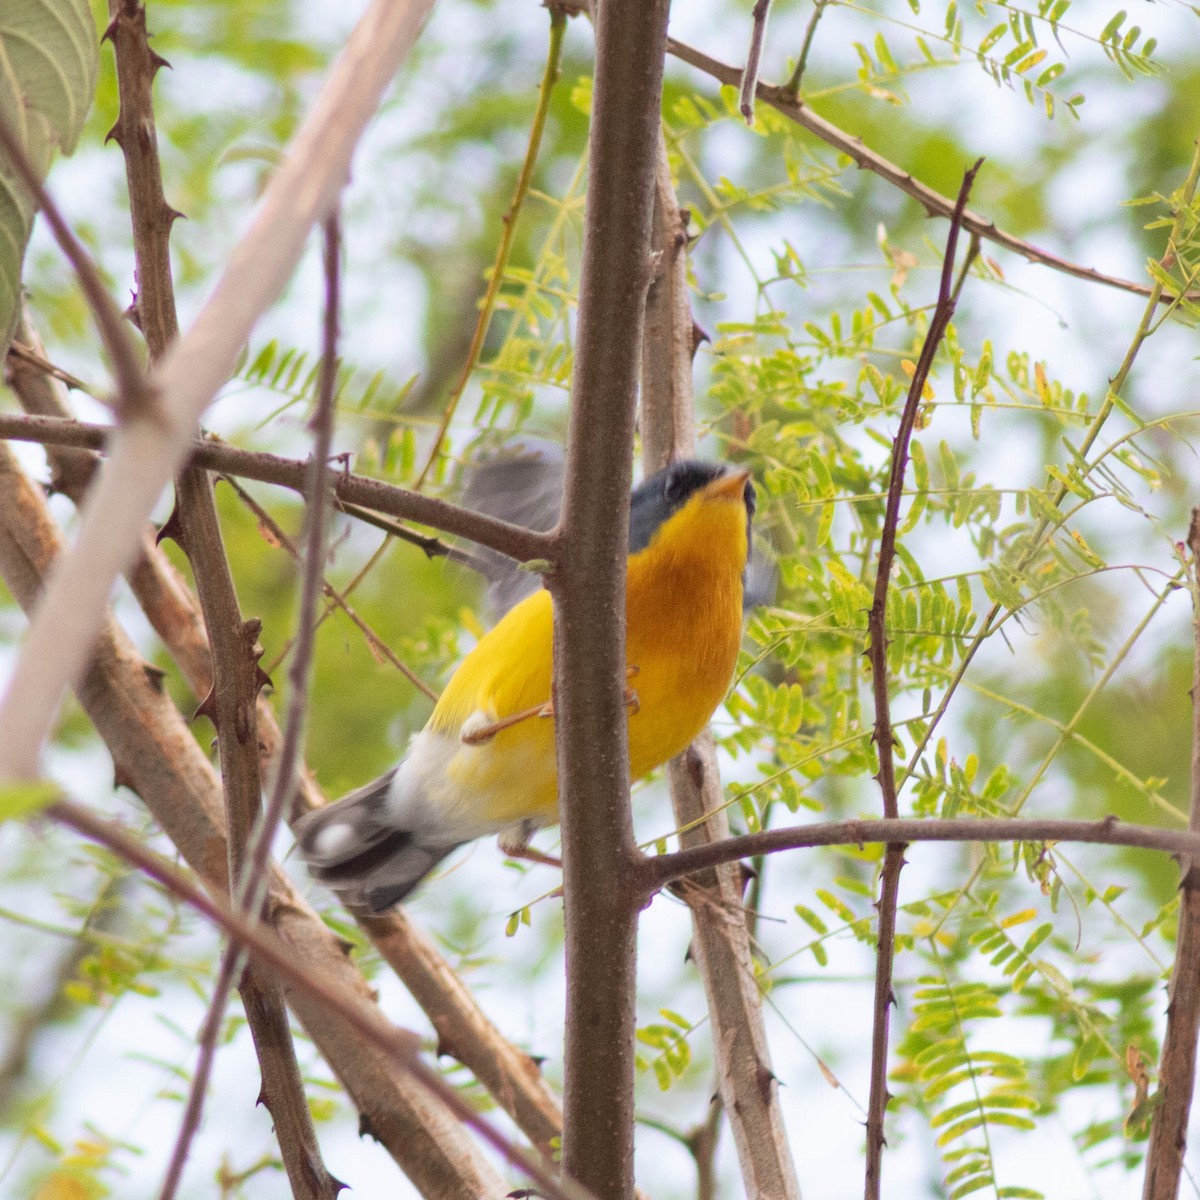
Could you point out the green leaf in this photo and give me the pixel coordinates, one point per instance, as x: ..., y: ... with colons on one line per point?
x: 48, y: 63
x: 19, y: 800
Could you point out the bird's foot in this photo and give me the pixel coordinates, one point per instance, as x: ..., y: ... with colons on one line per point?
x: 475, y: 733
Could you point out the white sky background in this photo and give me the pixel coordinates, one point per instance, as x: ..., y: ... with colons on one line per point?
x: 104, y: 1075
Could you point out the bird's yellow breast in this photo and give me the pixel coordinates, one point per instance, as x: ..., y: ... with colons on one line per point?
x: 683, y: 629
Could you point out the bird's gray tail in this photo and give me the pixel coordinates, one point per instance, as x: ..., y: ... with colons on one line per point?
x: 351, y: 848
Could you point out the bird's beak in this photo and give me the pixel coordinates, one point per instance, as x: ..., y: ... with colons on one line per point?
x: 730, y: 486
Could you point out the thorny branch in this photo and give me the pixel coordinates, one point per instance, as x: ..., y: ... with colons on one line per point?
x: 877, y: 651
x: 721, y: 945
x: 1177, y: 1071
x: 145, y: 454
x: 232, y: 703
x: 521, y: 544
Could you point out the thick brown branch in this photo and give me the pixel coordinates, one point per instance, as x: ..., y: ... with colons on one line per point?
x: 589, y: 602
x: 934, y: 203
x: 1177, y: 1072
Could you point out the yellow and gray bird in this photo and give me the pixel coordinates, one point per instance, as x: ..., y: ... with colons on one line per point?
x: 485, y: 762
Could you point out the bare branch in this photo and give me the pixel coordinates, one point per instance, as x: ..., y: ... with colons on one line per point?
x: 232, y: 703
x: 655, y: 873
x: 934, y: 203
x: 877, y: 652
x: 1177, y: 1071
x: 589, y: 602
x: 524, y: 545
x: 71, y: 611
x: 721, y: 938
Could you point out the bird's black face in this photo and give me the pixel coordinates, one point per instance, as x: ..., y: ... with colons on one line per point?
x: 664, y: 494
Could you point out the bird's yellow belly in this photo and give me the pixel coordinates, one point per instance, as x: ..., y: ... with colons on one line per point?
x: 681, y: 659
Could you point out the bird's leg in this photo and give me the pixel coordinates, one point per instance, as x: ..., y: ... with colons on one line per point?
x: 475, y: 734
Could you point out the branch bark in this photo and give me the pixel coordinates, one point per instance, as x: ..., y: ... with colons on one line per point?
x: 148, y: 448
x: 1177, y: 1071
x: 655, y: 873
x: 523, y: 545
x: 589, y: 599
x: 157, y: 755
x: 877, y: 652
x: 721, y: 938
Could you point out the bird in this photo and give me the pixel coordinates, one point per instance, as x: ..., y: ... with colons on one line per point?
x: 485, y: 763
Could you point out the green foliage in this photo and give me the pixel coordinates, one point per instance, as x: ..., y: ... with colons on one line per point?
x: 44, y: 111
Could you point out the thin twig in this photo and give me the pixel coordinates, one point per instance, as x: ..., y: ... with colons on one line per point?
x: 934, y: 203
x: 337, y: 600
x: 145, y: 455
x: 1177, y: 1071
x: 523, y: 545
x: 792, y: 87
x: 758, y: 35
x: 401, y: 1046
x: 300, y: 673
x: 135, y: 395
x: 558, y: 26
x: 877, y: 651
x: 655, y: 873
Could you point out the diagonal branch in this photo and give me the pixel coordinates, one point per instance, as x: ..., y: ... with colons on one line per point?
x: 934, y: 203
x: 877, y: 651
x: 145, y: 453
x: 463, y: 1029
x: 524, y: 545
x: 231, y: 705
x: 1177, y: 1072
x: 162, y: 762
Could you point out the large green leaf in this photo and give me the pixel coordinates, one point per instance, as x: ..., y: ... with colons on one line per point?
x: 48, y: 61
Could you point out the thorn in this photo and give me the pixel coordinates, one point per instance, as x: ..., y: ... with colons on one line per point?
x: 365, y: 1128
x: 171, y: 528
x: 110, y: 30
x: 262, y: 680
x: 260, y: 1100
x: 157, y: 62
x: 766, y: 1077
x: 122, y: 778
x: 208, y: 707
x: 173, y: 215
x: 131, y: 314
x: 155, y: 675
x: 114, y: 134
x: 699, y: 337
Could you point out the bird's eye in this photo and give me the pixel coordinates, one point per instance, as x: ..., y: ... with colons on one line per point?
x: 672, y: 488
